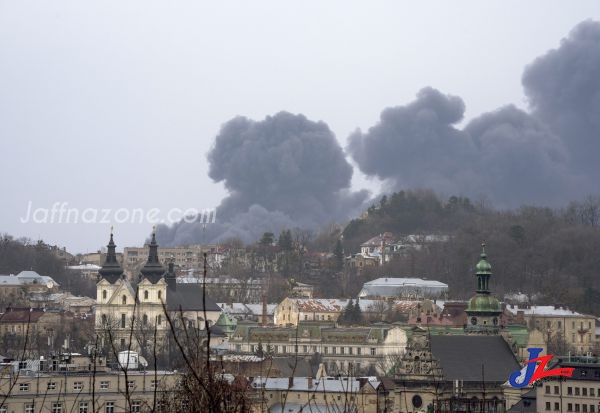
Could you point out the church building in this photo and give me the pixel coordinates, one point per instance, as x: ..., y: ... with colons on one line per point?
x: 141, y: 316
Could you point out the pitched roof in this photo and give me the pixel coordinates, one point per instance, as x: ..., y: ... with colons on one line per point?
x: 22, y: 315
x: 189, y: 298
x: 474, y: 358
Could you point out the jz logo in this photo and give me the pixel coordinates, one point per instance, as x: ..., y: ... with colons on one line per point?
x: 533, y: 373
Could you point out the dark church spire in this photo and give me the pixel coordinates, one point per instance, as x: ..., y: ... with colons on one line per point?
x: 152, y: 270
x: 111, y: 269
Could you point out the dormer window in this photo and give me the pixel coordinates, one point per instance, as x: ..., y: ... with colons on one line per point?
x: 145, y: 294
x: 159, y: 294
x: 104, y: 294
x: 124, y: 300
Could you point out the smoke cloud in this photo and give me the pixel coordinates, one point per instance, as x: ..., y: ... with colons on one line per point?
x: 563, y: 88
x: 287, y: 171
x: 282, y: 172
x: 508, y: 156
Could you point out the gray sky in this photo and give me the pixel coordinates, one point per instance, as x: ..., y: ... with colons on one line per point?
x: 116, y: 104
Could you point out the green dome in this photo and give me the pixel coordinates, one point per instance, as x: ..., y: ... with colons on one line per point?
x: 483, y: 266
x: 484, y: 303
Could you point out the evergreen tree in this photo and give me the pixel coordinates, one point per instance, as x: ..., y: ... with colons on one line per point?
x: 338, y: 254
x: 356, y: 313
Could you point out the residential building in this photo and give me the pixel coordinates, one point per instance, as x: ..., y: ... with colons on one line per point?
x: 579, y: 393
x: 84, y: 391
x: 557, y: 322
x: 184, y: 257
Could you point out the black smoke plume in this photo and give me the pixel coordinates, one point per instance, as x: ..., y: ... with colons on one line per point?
x: 282, y: 172
x: 508, y: 156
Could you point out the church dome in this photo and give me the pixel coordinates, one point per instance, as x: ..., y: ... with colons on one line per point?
x: 483, y: 303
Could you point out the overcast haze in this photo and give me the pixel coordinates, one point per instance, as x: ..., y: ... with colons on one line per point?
x: 117, y: 105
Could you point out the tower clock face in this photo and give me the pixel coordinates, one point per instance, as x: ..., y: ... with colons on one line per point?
x: 474, y: 320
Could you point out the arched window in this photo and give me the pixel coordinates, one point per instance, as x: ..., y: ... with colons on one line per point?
x: 159, y: 294
x: 145, y: 294
x: 159, y: 319
x: 145, y: 319
x: 104, y: 294
x: 124, y: 299
x: 103, y: 318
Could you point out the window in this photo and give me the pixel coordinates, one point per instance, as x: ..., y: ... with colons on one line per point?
x: 104, y: 385
x: 358, y: 350
x: 584, y: 408
x: 159, y: 319
x: 326, y: 350
x: 349, y: 350
x: 109, y: 407
x: 146, y: 294
x: 145, y: 319
x: 341, y: 350
x: 123, y: 320
x: 154, y: 384
x: 591, y: 391
x: 77, y: 385
x: 584, y: 391
x: 576, y: 407
x: 570, y: 391
x: 334, y: 350
x: 57, y: 407
x: 592, y: 408
x: 555, y: 389
x: 548, y: 392
x: 124, y: 299
x: 549, y: 324
x: 29, y: 408
x: 51, y: 385
x: 136, y: 406
x: 547, y: 405
x: 104, y: 294
x: 576, y: 391
x: 159, y: 294
x: 569, y: 407
x: 131, y: 384
x: 83, y: 407
x: 104, y: 319
x: 373, y: 351
x: 23, y: 387
x: 556, y: 406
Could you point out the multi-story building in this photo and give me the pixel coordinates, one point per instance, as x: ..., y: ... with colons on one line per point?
x: 577, y: 330
x: 579, y: 393
x: 184, y: 257
x: 16, y: 288
x: 355, y: 349
x: 294, y: 310
x: 90, y: 389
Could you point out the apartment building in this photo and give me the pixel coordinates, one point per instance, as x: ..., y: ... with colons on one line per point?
x: 576, y: 329
x: 579, y: 393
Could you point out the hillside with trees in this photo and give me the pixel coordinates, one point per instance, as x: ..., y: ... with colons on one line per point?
x: 550, y: 254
